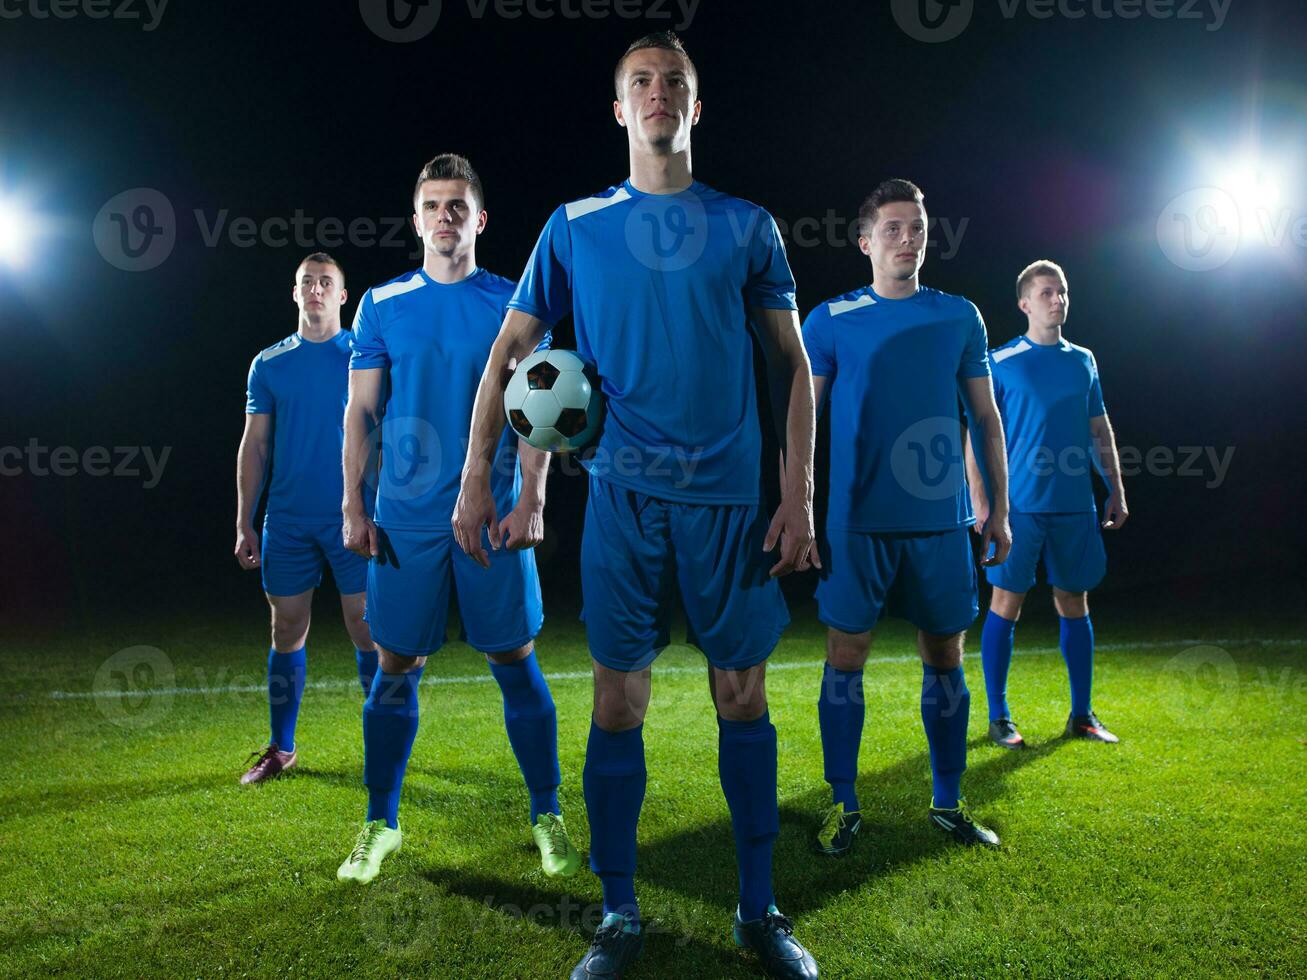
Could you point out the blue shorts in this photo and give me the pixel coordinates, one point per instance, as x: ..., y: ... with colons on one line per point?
x: 638, y: 552
x: 294, y: 554
x: 927, y: 578
x: 408, y: 594
x: 1070, y: 544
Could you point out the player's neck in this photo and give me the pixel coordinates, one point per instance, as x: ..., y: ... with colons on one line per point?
x: 894, y: 288
x: 448, y: 269
x: 1045, y: 336
x: 661, y: 173
x: 318, y: 330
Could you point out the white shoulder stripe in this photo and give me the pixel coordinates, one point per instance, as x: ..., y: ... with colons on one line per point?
x: 276, y: 350
x: 845, y: 305
x: 392, y: 289
x: 578, y: 209
x: 999, y: 356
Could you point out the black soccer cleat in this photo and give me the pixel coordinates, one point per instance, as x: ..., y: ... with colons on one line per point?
x: 835, y: 835
x: 772, y: 939
x: 1004, y: 733
x: 1090, y: 728
x: 961, y: 826
x: 617, y: 943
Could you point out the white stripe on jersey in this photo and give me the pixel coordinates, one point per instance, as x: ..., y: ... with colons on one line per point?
x: 277, y: 349
x: 392, y: 289
x: 845, y: 305
x: 578, y: 209
x: 998, y: 356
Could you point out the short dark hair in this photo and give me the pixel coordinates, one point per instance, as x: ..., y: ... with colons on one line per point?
x: 451, y: 166
x: 1041, y: 267
x: 324, y: 259
x: 887, y: 192
x: 667, y: 41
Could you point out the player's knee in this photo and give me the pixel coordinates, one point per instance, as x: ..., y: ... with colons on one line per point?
x: 847, y: 651
x: 941, y: 652
x: 1007, y: 604
x: 615, y: 711
x: 511, y: 656
x: 1071, y: 605
x: 289, y: 632
x: 393, y: 663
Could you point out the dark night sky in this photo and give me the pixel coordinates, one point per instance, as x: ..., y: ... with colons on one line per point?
x: 1050, y: 137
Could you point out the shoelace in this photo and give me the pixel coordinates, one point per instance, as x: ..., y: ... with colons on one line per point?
x: 555, y: 835
x: 833, y: 821
x: 774, y: 920
x: 363, y: 845
x: 260, y: 754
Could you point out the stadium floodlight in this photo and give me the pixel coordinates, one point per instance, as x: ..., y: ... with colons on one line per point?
x: 17, y: 230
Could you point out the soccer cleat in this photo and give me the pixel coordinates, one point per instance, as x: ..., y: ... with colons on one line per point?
x: 1004, y: 732
x: 373, y: 843
x: 772, y: 939
x: 1089, y: 727
x: 960, y: 825
x: 272, y: 763
x: 558, y: 857
x: 616, y: 944
x: 837, y: 829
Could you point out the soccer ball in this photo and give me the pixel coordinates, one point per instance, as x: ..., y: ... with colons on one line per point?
x: 551, y: 403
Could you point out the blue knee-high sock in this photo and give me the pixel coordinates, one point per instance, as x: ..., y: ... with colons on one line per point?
x: 286, y: 673
x: 1078, y: 652
x: 367, y: 664
x: 614, y: 781
x: 746, y: 762
x: 996, y: 658
x: 840, y: 713
x: 945, y: 707
x: 532, y: 725
x: 390, y: 723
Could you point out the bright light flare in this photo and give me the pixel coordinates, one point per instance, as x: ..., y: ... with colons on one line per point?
x: 17, y: 232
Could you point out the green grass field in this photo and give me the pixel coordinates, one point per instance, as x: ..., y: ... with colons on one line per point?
x: 130, y: 850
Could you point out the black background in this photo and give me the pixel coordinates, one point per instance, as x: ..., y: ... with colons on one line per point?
x: 1061, y: 138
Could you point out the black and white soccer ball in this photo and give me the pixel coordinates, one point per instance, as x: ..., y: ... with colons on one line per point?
x: 553, y: 402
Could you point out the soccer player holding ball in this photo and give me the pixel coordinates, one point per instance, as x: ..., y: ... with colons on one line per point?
x: 668, y: 282
x: 894, y: 357
x: 295, y: 400
x: 1052, y: 406
x: 420, y: 344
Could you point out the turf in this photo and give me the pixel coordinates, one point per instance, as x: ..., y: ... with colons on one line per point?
x: 130, y: 850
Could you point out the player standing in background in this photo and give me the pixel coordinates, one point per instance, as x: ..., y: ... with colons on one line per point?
x: 668, y: 282
x: 895, y: 356
x: 1052, y: 406
x: 420, y: 344
x: 295, y: 404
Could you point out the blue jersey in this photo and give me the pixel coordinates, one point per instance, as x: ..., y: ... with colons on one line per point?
x: 433, y: 339
x: 1047, y: 393
x: 303, y: 385
x: 659, y: 287
x: 894, y: 369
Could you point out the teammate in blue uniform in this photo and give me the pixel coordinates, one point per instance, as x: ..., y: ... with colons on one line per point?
x: 668, y: 282
x: 295, y: 406
x: 420, y: 344
x: 1052, y: 406
x: 894, y: 357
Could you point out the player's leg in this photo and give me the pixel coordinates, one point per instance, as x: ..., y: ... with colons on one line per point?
x: 351, y: 574
x: 407, y: 596
x: 1076, y: 562
x: 1011, y: 581
x: 736, y: 615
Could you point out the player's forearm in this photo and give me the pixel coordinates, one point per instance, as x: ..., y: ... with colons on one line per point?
x: 488, y: 410
x: 975, y: 479
x: 800, y: 428
x: 354, y: 456
x: 1109, y: 461
x: 251, y: 464
x: 535, y: 472
x: 989, y: 429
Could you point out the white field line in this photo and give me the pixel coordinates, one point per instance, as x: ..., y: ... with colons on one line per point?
x: 574, y: 675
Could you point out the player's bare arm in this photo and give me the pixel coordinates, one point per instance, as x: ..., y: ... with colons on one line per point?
x: 525, y: 526
x: 989, y: 436
x: 789, y: 376
x: 1115, y: 511
x: 362, y: 415
x: 975, y: 484
x: 251, y: 467
x: 475, y: 509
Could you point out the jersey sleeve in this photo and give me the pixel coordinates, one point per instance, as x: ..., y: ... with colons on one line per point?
x: 258, y: 396
x: 771, y: 283
x: 545, y: 289
x: 1096, y: 407
x: 818, y: 342
x: 367, y: 346
x: 975, y: 356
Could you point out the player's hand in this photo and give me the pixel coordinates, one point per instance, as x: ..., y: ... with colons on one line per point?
x: 979, y: 507
x: 247, y: 547
x: 524, y: 527
x: 792, y: 528
x: 996, y: 534
x: 1115, y: 512
x: 474, y: 510
x: 360, y: 534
